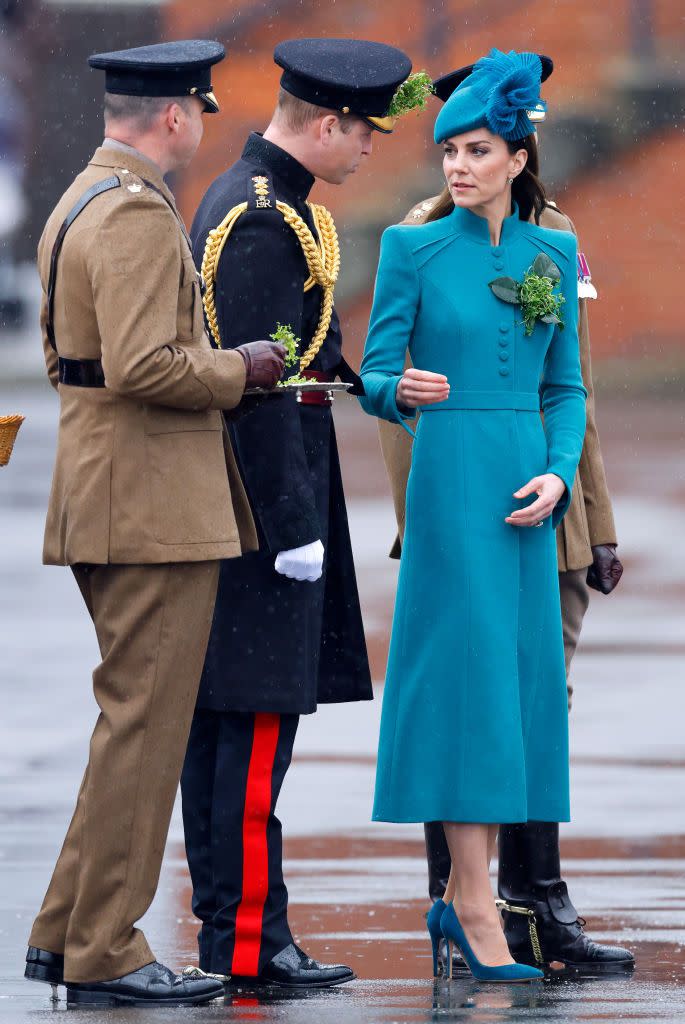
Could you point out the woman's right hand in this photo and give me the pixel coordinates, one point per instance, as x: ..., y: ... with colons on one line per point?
x: 421, y: 387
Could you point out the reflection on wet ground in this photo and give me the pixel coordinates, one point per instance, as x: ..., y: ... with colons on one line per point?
x: 357, y: 890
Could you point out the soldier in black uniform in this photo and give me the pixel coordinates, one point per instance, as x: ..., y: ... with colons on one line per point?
x: 287, y: 631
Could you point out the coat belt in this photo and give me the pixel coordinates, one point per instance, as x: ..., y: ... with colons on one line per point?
x: 523, y: 401
x: 315, y: 397
x: 81, y: 373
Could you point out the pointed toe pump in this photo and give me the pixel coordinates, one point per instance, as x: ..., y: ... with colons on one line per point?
x: 433, y: 919
x: 507, y: 973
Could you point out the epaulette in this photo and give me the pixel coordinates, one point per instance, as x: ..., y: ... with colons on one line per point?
x: 420, y: 211
x: 260, y: 192
x: 130, y: 182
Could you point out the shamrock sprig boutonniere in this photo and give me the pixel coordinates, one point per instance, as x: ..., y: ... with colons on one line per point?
x: 535, y: 294
x: 412, y: 94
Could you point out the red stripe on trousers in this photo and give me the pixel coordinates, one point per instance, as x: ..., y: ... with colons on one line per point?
x: 248, y: 924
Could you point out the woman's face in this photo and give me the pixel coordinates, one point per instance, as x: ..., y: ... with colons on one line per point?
x: 477, y: 167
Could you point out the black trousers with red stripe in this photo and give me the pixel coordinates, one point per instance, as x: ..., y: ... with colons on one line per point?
x: 233, y: 772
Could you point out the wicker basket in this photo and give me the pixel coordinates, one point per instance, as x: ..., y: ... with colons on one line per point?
x: 9, y: 426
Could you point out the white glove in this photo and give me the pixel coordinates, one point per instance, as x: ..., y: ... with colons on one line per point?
x: 305, y: 563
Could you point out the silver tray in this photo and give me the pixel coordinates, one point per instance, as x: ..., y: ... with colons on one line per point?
x: 329, y: 387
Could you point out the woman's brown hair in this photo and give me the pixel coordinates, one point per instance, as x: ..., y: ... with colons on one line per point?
x: 527, y: 191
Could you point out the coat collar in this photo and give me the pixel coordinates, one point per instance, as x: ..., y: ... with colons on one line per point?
x: 120, y: 159
x: 281, y: 164
x: 476, y: 228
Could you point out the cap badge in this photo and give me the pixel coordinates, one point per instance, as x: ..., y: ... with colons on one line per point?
x: 135, y: 188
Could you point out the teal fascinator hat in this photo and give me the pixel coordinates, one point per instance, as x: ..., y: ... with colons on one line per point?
x: 498, y: 94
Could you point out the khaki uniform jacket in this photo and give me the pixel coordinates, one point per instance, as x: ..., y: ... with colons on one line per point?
x: 589, y: 520
x: 144, y: 471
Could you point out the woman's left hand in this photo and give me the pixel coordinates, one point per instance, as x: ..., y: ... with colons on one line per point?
x: 549, y: 487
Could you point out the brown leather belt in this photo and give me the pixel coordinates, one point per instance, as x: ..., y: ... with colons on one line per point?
x: 315, y: 397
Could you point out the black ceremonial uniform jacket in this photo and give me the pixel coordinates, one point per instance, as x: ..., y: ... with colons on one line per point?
x: 280, y: 645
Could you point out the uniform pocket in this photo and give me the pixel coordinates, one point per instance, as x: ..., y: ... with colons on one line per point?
x: 161, y: 419
x: 189, y: 488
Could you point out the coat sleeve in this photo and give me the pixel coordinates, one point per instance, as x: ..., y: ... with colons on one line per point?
x: 395, y: 303
x: 600, y: 516
x: 51, y: 358
x: 396, y: 444
x: 258, y: 285
x: 136, y: 272
x: 562, y: 392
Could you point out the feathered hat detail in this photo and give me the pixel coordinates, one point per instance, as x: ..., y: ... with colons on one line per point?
x: 498, y: 94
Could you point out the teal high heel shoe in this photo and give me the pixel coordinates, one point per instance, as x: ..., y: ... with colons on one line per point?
x: 433, y: 919
x: 508, y: 973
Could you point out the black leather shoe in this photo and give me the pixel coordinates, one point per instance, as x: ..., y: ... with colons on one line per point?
x: 42, y: 965
x: 292, y: 968
x: 152, y: 985
x: 566, y: 949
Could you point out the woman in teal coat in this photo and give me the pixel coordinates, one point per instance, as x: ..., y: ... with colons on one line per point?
x: 474, y: 727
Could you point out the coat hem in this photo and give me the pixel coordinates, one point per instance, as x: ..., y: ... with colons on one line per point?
x: 470, y: 818
x: 213, y: 553
x: 277, y: 709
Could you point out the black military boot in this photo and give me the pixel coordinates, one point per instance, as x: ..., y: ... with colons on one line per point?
x: 438, y: 857
x: 530, y: 877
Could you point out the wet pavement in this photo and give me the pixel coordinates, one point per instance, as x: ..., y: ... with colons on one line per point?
x: 358, y: 890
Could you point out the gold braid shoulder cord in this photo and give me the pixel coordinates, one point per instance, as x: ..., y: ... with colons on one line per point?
x: 323, y: 262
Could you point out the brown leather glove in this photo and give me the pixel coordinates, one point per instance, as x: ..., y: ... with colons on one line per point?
x: 606, y: 569
x: 264, y: 363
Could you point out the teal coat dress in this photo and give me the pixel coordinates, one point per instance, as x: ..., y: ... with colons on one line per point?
x: 474, y: 725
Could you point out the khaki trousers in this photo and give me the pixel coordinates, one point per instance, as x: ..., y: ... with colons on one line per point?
x: 575, y: 597
x: 152, y: 624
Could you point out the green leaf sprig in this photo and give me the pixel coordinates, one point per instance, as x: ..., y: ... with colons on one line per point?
x: 284, y: 336
x: 412, y: 94
x: 535, y: 294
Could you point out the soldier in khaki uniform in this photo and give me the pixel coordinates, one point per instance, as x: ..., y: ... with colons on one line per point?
x: 529, y: 861
x: 146, y: 499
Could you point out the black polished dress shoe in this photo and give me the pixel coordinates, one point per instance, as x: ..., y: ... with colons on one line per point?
x: 292, y: 968
x: 152, y: 985
x: 566, y: 949
x: 42, y: 965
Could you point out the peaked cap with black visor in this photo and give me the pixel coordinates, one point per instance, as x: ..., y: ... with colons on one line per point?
x: 181, y: 68
x: 352, y: 76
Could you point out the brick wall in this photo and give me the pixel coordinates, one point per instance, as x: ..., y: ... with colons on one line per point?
x: 627, y: 214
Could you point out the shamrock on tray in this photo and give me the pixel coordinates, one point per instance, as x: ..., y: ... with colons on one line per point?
x: 535, y: 294
x: 284, y: 336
